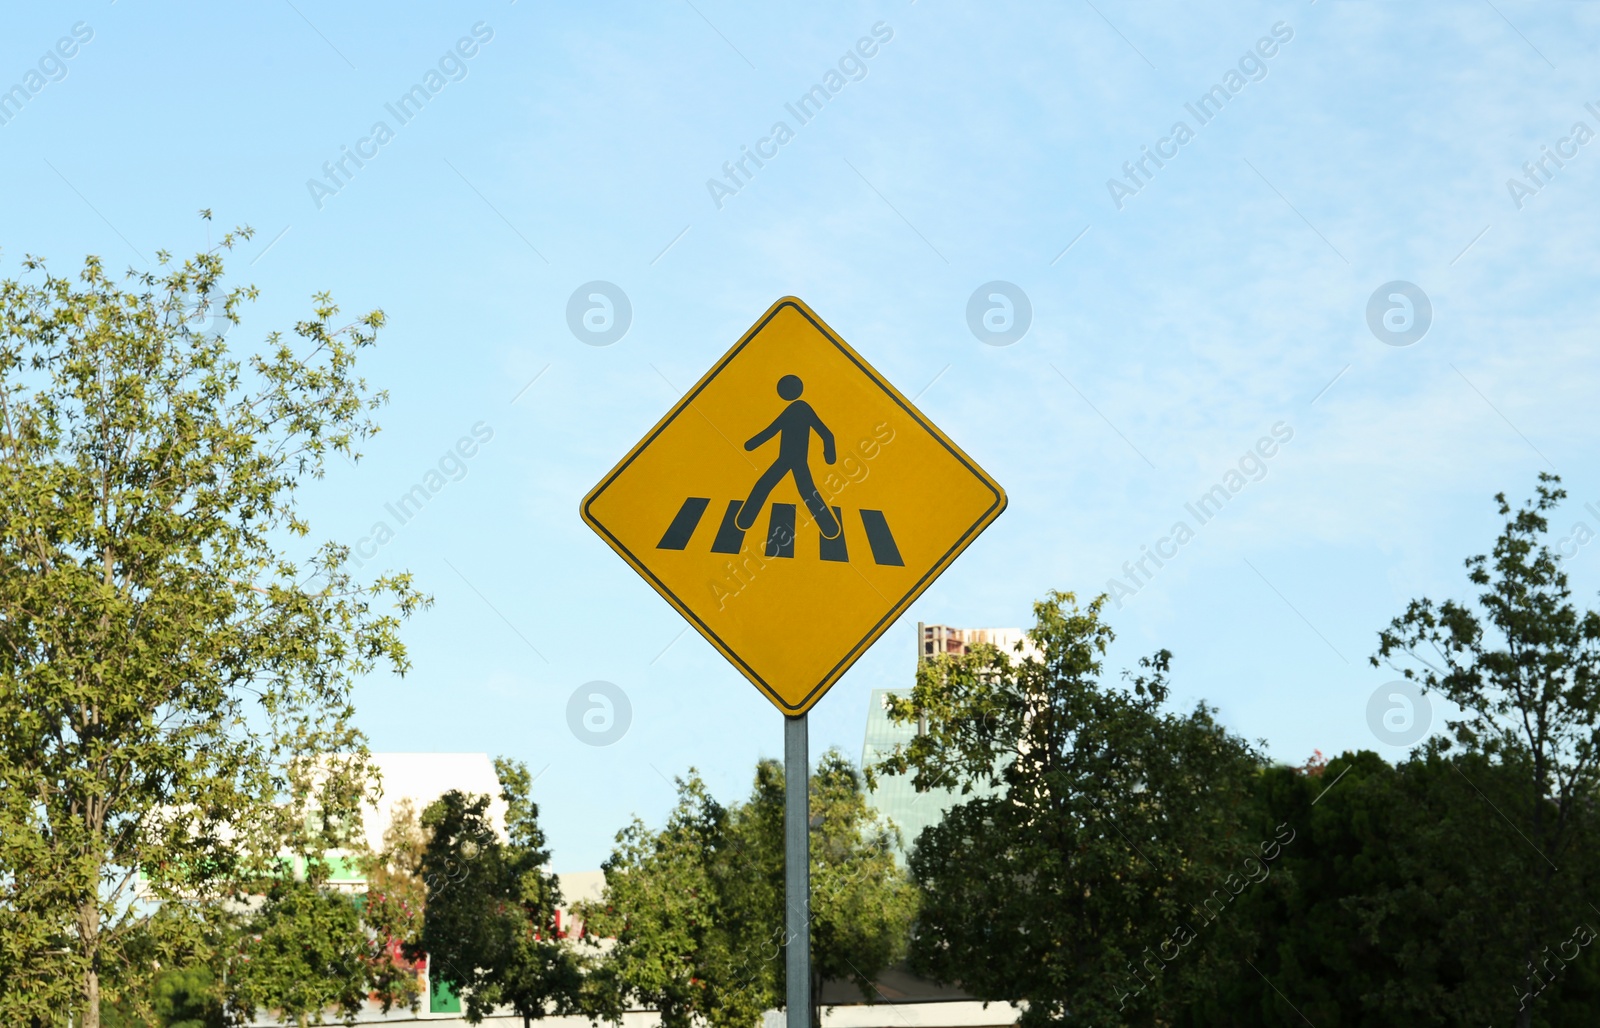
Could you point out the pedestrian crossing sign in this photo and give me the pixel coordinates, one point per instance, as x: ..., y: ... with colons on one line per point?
x: 792, y: 505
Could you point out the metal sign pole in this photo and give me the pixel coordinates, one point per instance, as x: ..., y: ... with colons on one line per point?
x: 797, y: 870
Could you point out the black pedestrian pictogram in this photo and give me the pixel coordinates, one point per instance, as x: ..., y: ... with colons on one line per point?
x: 781, y: 532
x: 793, y: 427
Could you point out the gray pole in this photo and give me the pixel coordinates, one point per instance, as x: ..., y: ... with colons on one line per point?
x: 797, y: 870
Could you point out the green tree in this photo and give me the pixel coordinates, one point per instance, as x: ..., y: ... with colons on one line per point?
x: 862, y: 902
x: 697, y: 908
x: 1384, y: 911
x: 175, y: 660
x: 180, y: 997
x: 181, y: 992
x: 306, y: 946
x: 185, y: 998
x: 684, y: 944
x: 303, y: 953
x: 1327, y: 929
x: 1117, y: 835
x: 1522, y: 664
x: 489, y: 917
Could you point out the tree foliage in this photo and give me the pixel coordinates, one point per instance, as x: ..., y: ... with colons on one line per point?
x: 489, y: 917
x: 862, y: 903
x: 1453, y: 888
x: 1114, y: 826
x: 307, y: 947
x: 1522, y: 663
x: 175, y: 659
x: 304, y: 953
x: 180, y: 997
x: 1386, y: 910
x: 679, y: 923
x: 696, y: 909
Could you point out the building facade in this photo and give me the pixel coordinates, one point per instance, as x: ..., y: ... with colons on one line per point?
x: 942, y: 639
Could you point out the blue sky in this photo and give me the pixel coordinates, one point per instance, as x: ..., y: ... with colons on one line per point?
x: 1167, y: 337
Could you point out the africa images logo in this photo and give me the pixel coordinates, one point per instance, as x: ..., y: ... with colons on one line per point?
x: 51, y: 67
x: 452, y: 67
x: 852, y: 65
x: 1252, y: 467
x: 1253, y: 65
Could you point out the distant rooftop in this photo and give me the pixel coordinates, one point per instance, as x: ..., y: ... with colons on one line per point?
x: 943, y: 639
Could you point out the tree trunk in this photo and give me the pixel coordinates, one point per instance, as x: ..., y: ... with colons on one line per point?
x: 89, y: 941
x: 91, y: 999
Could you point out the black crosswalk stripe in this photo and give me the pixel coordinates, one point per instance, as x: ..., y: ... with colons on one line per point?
x: 884, y: 551
x: 683, y: 523
x: 781, y: 532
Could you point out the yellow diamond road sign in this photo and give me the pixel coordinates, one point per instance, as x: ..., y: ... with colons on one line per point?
x: 792, y: 505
